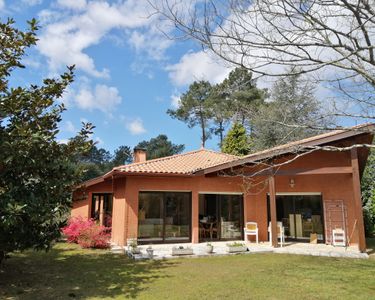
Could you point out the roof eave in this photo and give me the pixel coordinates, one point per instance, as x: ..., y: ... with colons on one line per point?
x: 318, y: 142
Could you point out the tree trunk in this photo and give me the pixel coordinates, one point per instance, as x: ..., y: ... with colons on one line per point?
x: 203, y: 136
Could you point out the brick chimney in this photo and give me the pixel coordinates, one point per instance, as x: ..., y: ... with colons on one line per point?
x: 139, y: 154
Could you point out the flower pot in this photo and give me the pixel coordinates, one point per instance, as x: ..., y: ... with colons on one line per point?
x: 182, y: 251
x: 131, y: 241
x: 236, y: 249
x: 209, y: 249
x: 135, y: 250
x: 150, y: 253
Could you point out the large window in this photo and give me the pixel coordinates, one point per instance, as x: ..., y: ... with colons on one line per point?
x: 301, y: 215
x: 220, y: 217
x: 101, y: 208
x: 164, y: 217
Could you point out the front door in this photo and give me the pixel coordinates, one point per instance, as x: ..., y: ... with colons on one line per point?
x: 220, y: 217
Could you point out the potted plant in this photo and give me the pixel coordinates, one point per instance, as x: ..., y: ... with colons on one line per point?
x: 236, y: 247
x: 131, y: 240
x: 150, y: 252
x: 209, y: 248
x: 181, y: 250
x: 133, y: 248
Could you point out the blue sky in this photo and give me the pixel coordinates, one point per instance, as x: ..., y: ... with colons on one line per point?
x: 128, y: 73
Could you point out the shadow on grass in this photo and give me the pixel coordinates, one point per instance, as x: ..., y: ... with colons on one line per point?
x: 65, y: 273
x: 370, y: 246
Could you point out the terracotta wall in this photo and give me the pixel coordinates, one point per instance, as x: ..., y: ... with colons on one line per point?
x: 82, y: 207
x: 125, y: 205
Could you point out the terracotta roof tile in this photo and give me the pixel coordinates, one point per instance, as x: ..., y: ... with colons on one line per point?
x: 184, y: 164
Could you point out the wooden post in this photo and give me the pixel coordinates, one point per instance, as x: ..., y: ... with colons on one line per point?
x: 101, y: 210
x: 194, y: 217
x: 271, y: 183
x: 358, y: 200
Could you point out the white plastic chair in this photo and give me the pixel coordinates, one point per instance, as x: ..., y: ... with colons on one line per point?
x: 280, y: 233
x: 251, y: 228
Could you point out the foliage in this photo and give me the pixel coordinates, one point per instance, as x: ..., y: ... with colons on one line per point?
x: 160, y: 146
x: 236, y: 141
x: 244, y: 98
x: 122, y: 155
x: 331, y: 41
x: 236, y: 244
x: 194, y: 108
x: 221, y: 113
x: 95, y: 236
x: 37, y: 173
x: 87, y: 233
x: 99, y: 161
x: 74, y: 227
x: 102, y: 275
x: 368, y: 194
x: 292, y: 114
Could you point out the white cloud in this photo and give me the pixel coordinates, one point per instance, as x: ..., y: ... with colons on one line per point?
x: 175, y: 101
x: 136, y: 127
x: 65, y: 39
x: 98, y: 141
x: 72, y: 4
x: 69, y: 127
x: 196, y: 66
x: 151, y: 42
x: 102, y: 97
x: 2, y: 4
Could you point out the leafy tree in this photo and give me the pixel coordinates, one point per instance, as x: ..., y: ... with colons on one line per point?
x: 244, y: 98
x: 220, y: 111
x: 160, y: 147
x: 368, y: 194
x: 37, y: 173
x: 123, y: 155
x: 236, y: 141
x: 331, y: 40
x: 194, y: 108
x: 95, y: 162
x: 292, y: 103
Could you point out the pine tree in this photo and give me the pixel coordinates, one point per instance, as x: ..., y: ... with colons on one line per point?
x: 236, y: 142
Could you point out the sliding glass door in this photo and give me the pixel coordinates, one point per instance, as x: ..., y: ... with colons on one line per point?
x: 164, y: 217
x: 301, y: 215
x: 220, y: 216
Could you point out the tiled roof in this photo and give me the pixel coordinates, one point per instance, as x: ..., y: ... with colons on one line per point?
x: 183, y: 164
x: 207, y: 161
x: 316, y: 140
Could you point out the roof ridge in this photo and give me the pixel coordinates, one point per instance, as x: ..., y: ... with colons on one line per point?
x: 160, y: 158
x: 222, y: 153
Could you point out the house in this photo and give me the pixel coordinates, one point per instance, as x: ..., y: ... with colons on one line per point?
x: 311, y: 186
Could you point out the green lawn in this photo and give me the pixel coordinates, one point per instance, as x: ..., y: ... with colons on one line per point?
x: 67, y: 272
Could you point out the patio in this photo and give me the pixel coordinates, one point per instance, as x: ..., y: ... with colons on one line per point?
x: 164, y: 251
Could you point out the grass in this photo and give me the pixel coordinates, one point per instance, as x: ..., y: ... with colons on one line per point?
x: 67, y: 272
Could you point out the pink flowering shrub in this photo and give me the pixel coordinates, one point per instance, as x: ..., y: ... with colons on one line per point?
x: 74, y: 228
x: 94, y: 237
x: 87, y: 233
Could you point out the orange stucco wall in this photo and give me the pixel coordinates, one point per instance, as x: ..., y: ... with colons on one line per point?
x: 126, y: 190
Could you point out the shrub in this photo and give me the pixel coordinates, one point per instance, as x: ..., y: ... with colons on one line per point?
x: 95, y: 236
x: 87, y: 233
x: 74, y: 228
